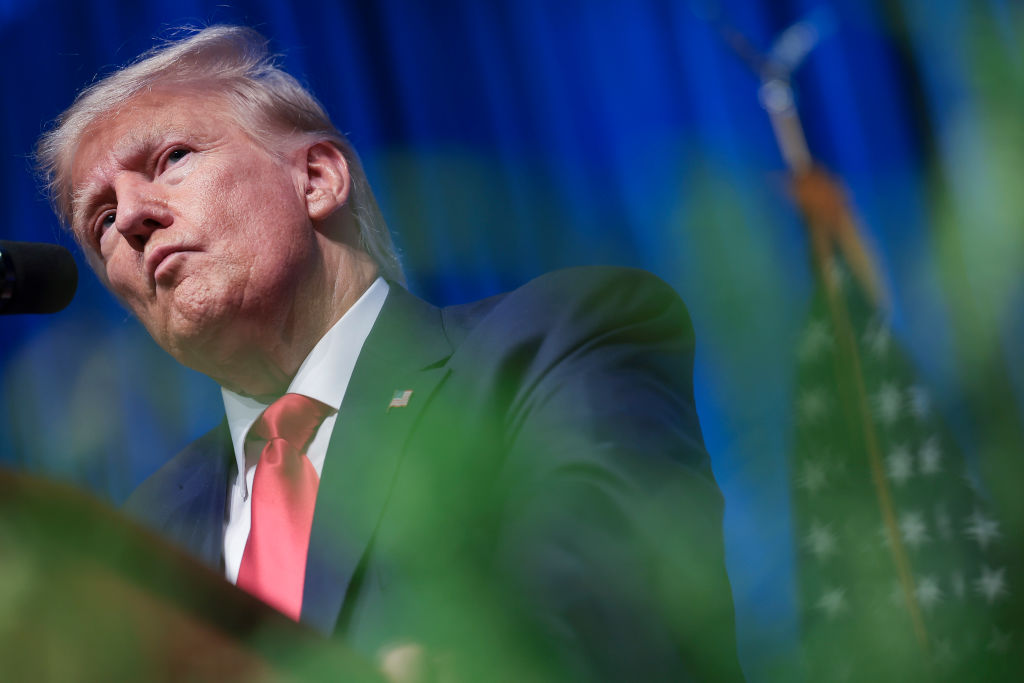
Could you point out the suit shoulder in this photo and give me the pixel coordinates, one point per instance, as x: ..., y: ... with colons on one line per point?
x: 587, y: 297
x: 612, y: 287
x: 194, y: 461
x: 596, y: 276
x: 601, y: 286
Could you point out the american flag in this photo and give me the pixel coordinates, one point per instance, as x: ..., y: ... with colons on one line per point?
x: 900, y: 562
x: 400, y: 399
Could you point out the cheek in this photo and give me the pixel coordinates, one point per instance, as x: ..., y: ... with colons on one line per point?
x: 263, y: 200
x: 121, y: 272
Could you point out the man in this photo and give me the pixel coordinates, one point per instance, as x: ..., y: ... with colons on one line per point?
x: 516, y: 486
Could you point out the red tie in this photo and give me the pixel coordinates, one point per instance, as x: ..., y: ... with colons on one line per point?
x: 283, y: 497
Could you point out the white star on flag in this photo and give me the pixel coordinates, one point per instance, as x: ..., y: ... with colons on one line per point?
x: 812, y: 405
x: 832, y: 602
x: 930, y: 456
x: 888, y: 403
x: 820, y: 540
x: 991, y: 584
x: 812, y: 477
x: 914, y: 529
x: 928, y: 592
x: 983, y: 530
x: 816, y: 338
x: 899, y: 465
x: 876, y: 338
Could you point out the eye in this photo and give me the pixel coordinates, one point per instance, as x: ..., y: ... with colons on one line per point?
x: 107, y: 221
x: 177, y: 154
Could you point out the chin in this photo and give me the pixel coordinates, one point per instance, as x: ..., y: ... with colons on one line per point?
x: 199, y: 337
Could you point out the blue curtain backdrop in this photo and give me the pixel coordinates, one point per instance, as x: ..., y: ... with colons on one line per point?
x: 510, y: 137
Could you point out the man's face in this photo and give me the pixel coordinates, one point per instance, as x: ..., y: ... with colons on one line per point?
x: 204, y: 234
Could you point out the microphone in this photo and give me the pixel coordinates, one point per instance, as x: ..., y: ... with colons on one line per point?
x: 35, y: 277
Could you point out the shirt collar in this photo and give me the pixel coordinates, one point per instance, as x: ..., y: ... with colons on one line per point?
x: 323, y: 375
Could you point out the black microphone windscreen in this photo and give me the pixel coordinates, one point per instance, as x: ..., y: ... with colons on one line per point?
x: 35, y: 277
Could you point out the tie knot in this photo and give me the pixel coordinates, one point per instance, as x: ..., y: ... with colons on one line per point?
x: 293, y: 417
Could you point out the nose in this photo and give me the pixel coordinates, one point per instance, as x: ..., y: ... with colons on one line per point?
x: 141, y: 210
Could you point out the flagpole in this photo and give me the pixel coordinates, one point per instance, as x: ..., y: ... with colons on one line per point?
x: 832, y: 228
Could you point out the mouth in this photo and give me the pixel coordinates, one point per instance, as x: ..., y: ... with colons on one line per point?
x: 160, y: 263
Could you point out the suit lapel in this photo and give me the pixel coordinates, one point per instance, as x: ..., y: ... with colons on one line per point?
x: 405, y: 351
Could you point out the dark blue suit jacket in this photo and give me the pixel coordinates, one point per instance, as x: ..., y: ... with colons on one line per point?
x: 543, y: 508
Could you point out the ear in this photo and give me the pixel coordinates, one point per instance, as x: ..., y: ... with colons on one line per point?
x: 327, y: 181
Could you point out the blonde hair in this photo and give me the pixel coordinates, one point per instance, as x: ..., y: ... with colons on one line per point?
x: 235, y: 63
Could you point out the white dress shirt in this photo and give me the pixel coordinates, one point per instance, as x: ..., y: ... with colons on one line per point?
x: 323, y: 375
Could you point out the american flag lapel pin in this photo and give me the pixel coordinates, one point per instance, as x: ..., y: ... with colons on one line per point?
x: 400, y: 399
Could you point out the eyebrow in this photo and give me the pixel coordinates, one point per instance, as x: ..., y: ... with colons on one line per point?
x: 82, y: 201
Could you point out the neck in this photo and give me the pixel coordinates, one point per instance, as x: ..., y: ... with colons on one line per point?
x: 264, y: 371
